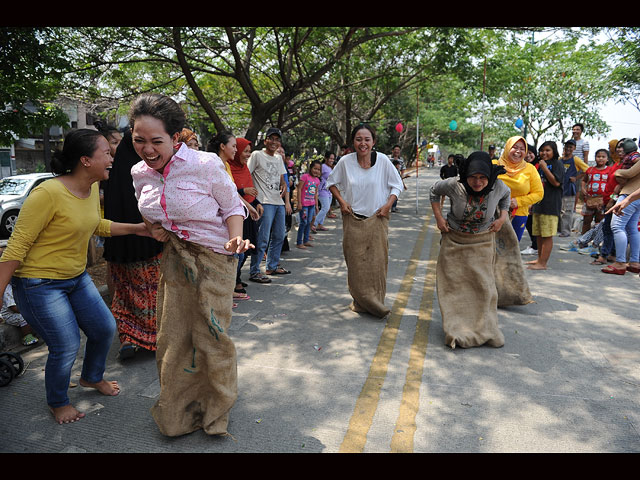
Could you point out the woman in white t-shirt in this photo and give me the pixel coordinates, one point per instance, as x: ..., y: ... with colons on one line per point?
x: 365, y: 184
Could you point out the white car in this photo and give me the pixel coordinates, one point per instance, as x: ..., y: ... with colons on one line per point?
x: 13, y: 192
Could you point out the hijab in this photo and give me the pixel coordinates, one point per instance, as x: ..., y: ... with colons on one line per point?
x: 513, y: 169
x: 479, y: 162
x: 615, y: 158
x: 186, y: 135
x: 239, y: 171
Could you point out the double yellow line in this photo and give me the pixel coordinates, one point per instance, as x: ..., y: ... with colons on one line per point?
x: 367, y: 402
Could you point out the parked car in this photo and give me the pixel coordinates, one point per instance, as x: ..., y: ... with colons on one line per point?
x: 13, y: 192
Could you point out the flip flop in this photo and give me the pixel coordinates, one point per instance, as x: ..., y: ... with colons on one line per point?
x: 598, y: 262
x: 633, y: 269
x: 127, y: 351
x: 614, y: 270
x: 241, y: 296
x: 278, y: 271
x: 259, y: 279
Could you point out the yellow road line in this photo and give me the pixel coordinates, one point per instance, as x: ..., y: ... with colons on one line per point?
x: 402, y: 440
x: 367, y: 402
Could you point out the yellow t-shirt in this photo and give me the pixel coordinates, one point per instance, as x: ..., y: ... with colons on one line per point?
x: 526, y: 187
x: 51, y: 236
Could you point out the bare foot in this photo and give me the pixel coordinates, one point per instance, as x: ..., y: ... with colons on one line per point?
x: 66, y: 414
x: 308, y: 244
x: 537, y: 266
x: 301, y: 246
x: 531, y: 262
x: 110, y: 388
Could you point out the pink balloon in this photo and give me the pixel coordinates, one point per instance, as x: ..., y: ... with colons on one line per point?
x: 399, y: 127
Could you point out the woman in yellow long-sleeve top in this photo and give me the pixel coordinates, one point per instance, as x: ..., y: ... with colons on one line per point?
x: 45, y: 260
x: 523, y: 179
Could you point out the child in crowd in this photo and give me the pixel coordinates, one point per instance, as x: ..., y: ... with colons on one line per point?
x: 593, y: 185
x: 11, y: 315
x: 547, y: 211
x: 308, y: 202
x: 588, y: 242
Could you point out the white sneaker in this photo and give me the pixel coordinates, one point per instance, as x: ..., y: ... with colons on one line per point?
x: 529, y: 251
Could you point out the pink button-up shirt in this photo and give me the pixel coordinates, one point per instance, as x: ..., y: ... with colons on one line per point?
x: 193, y: 197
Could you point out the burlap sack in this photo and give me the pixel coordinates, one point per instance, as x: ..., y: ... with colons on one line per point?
x: 365, y: 244
x: 466, y: 289
x: 512, y: 285
x: 196, y: 358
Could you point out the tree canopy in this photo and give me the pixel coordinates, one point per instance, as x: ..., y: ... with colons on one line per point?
x: 316, y: 83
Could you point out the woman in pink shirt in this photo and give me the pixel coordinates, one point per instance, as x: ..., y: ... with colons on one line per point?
x: 191, y: 195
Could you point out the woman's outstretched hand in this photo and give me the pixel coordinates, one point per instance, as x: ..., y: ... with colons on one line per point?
x: 238, y: 245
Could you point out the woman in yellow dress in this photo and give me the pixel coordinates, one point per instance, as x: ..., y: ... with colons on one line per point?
x: 523, y: 179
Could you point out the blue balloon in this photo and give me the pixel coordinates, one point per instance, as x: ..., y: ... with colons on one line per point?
x: 519, y: 123
x: 453, y: 125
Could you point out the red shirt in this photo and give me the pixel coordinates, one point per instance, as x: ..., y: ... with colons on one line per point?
x: 597, y: 180
x: 611, y: 182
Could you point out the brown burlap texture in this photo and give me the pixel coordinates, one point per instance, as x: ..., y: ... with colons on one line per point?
x: 512, y: 285
x: 365, y: 245
x: 196, y: 358
x: 466, y: 288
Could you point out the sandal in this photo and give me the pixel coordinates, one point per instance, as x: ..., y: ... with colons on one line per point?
x: 614, y: 270
x: 239, y: 290
x: 278, y: 271
x: 240, y: 296
x: 599, y: 262
x: 322, y: 228
x: 127, y: 350
x: 633, y: 269
x: 259, y: 279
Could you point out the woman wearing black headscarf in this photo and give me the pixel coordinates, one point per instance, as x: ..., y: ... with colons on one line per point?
x: 133, y: 261
x: 465, y: 276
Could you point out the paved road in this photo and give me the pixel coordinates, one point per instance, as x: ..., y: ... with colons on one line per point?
x: 315, y: 377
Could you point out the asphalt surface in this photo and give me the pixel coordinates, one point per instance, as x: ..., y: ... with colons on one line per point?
x: 315, y: 377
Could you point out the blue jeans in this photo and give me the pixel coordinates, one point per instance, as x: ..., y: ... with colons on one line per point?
x: 57, y: 310
x: 242, y: 257
x: 325, y: 205
x: 625, y: 230
x: 271, y: 226
x: 304, y: 227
